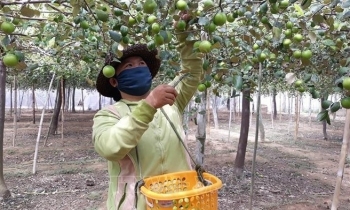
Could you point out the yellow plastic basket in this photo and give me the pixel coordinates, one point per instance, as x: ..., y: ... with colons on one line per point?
x: 180, y: 191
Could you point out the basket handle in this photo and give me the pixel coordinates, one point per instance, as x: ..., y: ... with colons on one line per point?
x: 148, y: 203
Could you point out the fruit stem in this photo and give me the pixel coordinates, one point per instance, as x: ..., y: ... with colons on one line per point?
x: 221, y: 6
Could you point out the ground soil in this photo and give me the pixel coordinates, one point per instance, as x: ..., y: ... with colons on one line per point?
x: 290, y: 174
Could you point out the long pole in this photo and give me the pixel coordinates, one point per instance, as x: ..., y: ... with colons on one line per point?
x: 256, y: 137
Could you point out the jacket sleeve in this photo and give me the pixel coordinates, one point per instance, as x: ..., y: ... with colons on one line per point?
x: 192, y: 63
x: 114, y: 136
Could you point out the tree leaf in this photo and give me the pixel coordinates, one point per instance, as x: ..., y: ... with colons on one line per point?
x: 115, y: 36
x: 346, y: 15
x: 5, y: 41
x: 317, y: 19
x: 276, y: 33
x: 32, y: 67
x: 203, y: 21
x: 316, y: 7
x: 328, y: 120
x: 26, y: 11
x: 305, y: 4
x: 312, y: 37
x: 290, y: 78
x: 299, y: 10
x: 21, y: 65
x: 237, y: 82
x: 322, y: 115
x: 328, y: 42
x: 76, y: 10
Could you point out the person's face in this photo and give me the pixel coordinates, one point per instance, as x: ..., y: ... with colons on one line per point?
x: 128, y: 63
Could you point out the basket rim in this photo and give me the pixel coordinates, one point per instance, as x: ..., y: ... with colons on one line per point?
x: 216, y: 184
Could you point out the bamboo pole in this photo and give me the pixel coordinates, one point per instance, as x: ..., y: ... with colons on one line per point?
x: 41, y: 125
x: 343, y: 153
x: 256, y: 138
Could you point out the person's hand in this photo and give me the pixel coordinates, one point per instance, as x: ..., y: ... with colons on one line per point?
x: 161, y: 95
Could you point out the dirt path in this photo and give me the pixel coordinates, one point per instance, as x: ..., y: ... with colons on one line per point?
x: 290, y: 175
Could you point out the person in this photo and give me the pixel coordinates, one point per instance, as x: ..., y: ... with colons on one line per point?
x: 133, y: 134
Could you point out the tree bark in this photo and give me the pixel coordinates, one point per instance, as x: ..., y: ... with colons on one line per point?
x: 324, y: 123
x: 15, y: 112
x: 297, y: 115
x: 73, y: 99
x: 82, y: 99
x: 67, y: 99
x: 4, y: 192
x: 274, y: 103
x: 215, y: 112
x: 261, y: 129
x: 62, y: 106
x: 11, y: 105
x: 33, y: 102
x: 243, y: 139
x: 56, y: 111
x: 201, y: 128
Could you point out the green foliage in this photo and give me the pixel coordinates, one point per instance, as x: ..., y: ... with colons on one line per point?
x: 73, y: 38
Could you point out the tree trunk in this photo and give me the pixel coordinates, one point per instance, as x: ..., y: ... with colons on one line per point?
x: 234, y: 106
x: 239, y: 105
x: 280, y: 105
x: 272, y: 108
x: 297, y: 115
x: 20, y: 104
x: 215, y: 112
x: 33, y: 102
x: 274, y: 104
x: 243, y: 139
x: 4, y: 192
x: 62, y: 106
x: 67, y: 100
x: 56, y: 111
x: 324, y: 123
x: 73, y: 99
x: 15, y: 112
x: 11, y: 105
x: 261, y: 129
x: 230, y: 118
x: 310, y: 108
x: 201, y: 128
x: 252, y: 111
x: 82, y: 99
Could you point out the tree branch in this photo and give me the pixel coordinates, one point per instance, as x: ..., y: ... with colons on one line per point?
x: 23, y: 18
x: 2, y: 3
x: 19, y: 34
x: 58, y: 10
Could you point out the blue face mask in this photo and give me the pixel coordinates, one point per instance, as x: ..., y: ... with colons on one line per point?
x: 135, y: 81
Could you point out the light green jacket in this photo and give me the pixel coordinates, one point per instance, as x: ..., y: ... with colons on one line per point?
x: 119, y: 128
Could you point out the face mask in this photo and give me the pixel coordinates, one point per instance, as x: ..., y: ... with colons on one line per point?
x: 135, y: 81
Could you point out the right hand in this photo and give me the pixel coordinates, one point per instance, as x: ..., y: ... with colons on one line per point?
x: 161, y: 95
